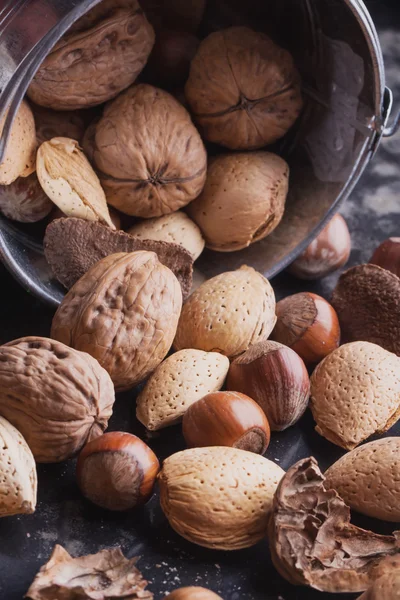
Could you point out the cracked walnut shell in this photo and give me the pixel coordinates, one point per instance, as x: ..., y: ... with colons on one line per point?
x: 124, y: 312
x: 101, y: 55
x: 355, y: 393
x: 243, y: 89
x: 243, y: 199
x: 18, y: 478
x: 150, y: 157
x: 228, y: 313
x: 58, y: 398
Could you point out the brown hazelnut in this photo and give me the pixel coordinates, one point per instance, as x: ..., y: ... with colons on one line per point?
x: 327, y: 253
x: 387, y: 255
x: 226, y: 419
x: 169, y: 62
x: 192, y: 593
x: 117, y: 471
x: 309, y: 325
x: 276, y: 378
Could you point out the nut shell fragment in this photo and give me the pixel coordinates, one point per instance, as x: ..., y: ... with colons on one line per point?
x: 355, y: 392
x: 243, y: 89
x: 124, y: 312
x: 177, y: 383
x: 368, y: 479
x: 243, y: 199
x: 101, y: 55
x: 228, y: 313
x: 18, y: 483
x: 56, y: 397
x: 312, y: 541
x: 150, y: 157
x: 73, y: 246
x: 218, y: 497
x: 106, y: 575
x: 20, y: 155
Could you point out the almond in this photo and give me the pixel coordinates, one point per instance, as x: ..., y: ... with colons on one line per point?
x: 177, y: 383
x: 218, y: 497
x: 355, y: 392
x: 368, y: 479
x: 18, y: 482
x: 228, y: 313
x: 176, y: 228
x: 19, y: 159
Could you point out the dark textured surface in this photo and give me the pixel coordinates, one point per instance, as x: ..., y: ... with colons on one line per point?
x: 373, y: 214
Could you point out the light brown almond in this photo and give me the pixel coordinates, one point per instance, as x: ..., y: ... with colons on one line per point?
x: 19, y: 159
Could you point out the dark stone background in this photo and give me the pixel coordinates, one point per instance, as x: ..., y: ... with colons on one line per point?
x: 62, y: 516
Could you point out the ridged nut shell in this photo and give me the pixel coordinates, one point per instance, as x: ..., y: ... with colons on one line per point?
x: 218, y: 497
x: 243, y: 199
x: 177, y: 383
x: 18, y: 479
x: 20, y: 155
x: 355, y: 392
x: 124, y: 312
x: 368, y: 479
x: 176, y: 228
x: 58, y: 398
x: 228, y: 313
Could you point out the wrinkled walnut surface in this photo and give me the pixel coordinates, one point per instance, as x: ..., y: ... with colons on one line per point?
x: 124, y: 312
x: 56, y: 397
x: 243, y: 199
x: 149, y: 156
x: 100, y: 56
x: 243, y: 89
x: 312, y: 541
x: 73, y: 246
x: 102, y: 576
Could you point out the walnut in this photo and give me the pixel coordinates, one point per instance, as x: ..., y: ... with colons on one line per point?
x: 243, y: 200
x: 100, y: 56
x: 24, y: 200
x: 19, y: 159
x: 105, y: 575
x: 56, y: 397
x: 124, y: 311
x: 149, y: 155
x: 243, y: 89
x: 52, y: 123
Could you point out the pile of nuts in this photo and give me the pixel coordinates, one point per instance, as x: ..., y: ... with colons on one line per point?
x: 242, y: 366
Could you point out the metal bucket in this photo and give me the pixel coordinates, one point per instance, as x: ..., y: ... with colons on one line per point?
x: 336, y: 48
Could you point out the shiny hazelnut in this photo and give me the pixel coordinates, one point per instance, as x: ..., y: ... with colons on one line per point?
x: 276, y: 378
x: 226, y: 419
x: 327, y: 253
x: 192, y: 593
x: 309, y: 325
x: 387, y: 255
x: 169, y: 62
x: 117, y: 471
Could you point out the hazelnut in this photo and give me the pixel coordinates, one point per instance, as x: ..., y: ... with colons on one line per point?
x: 169, y: 62
x: 243, y: 89
x: 366, y: 299
x: 243, y: 199
x: 276, y: 378
x: 117, y: 471
x: 226, y: 419
x: 24, y: 200
x: 327, y: 253
x: 387, y: 255
x: 192, y: 593
x: 308, y: 324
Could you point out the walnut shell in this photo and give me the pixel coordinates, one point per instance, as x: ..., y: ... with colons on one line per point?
x: 149, y: 155
x: 177, y: 383
x: 218, y: 497
x: 52, y: 123
x: 101, y: 55
x: 19, y: 159
x: 228, y: 313
x: 243, y: 89
x: 368, y: 479
x: 175, y: 228
x: 355, y: 392
x: 18, y: 484
x: 58, y: 398
x: 243, y: 199
x: 124, y: 312
x: 24, y: 200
